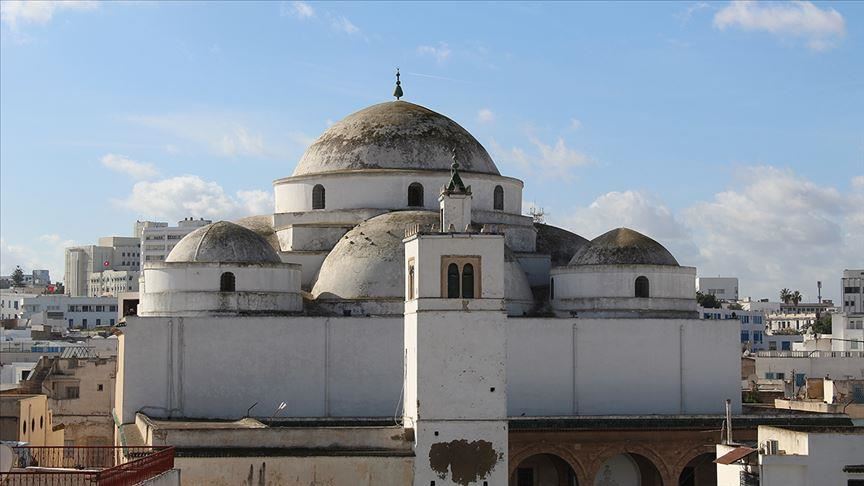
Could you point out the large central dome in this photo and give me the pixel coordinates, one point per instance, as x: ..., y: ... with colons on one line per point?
x: 395, y: 135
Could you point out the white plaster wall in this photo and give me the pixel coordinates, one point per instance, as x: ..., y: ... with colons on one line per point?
x: 492, y: 431
x: 193, y: 288
x: 216, y: 367
x: 620, y: 469
x: 389, y: 189
x: 621, y: 366
x: 810, y: 457
x: 587, y: 281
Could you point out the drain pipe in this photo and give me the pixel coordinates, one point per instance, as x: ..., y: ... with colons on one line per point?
x: 728, y: 421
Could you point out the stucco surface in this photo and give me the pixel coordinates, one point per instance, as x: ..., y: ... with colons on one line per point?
x: 223, y: 242
x: 623, y: 246
x: 263, y: 226
x: 395, y: 135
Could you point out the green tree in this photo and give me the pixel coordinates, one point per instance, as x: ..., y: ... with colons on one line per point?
x: 823, y: 324
x: 707, y: 301
x: 785, y: 295
x: 796, y: 297
x: 18, y: 277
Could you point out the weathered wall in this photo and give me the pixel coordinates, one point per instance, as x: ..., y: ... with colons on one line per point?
x: 621, y: 366
x: 295, y: 471
x: 218, y: 367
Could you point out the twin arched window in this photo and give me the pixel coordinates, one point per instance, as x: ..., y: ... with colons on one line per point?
x: 415, y: 195
x: 318, y: 197
x: 227, y: 282
x: 460, y: 284
x: 642, y: 289
x: 498, y: 198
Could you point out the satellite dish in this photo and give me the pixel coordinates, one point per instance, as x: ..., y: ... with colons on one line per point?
x: 7, y: 458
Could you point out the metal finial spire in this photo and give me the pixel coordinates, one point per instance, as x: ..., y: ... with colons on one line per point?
x: 456, y: 184
x: 398, y: 91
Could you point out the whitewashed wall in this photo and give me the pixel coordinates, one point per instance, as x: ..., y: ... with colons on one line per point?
x: 621, y: 366
x: 389, y: 189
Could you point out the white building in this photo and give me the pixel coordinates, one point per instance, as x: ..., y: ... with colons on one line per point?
x: 793, y: 456
x: 75, y: 312
x: 724, y: 288
x: 852, y: 285
x: 847, y: 332
x: 12, y: 303
x: 398, y: 276
x: 755, y: 335
x: 763, y: 305
x: 113, y: 282
x: 158, y: 239
x: 118, y: 253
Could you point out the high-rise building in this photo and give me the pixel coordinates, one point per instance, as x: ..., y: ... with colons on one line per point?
x: 119, y: 253
x: 158, y: 239
x: 852, y: 286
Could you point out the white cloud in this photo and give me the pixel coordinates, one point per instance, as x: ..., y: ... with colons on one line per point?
x: 221, y: 134
x: 300, y: 10
x: 342, y: 24
x: 485, y: 115
x: 545, y: 160
x: 687, y: 14
x: 122, y: 163
x: 18, y: 12
x: 858, y: 182
x: 46, y: 252
x: 575, y: 124
x: 775, y: 229
x: 441, y: 53
x: 181, y: 196
x: 820, y: 27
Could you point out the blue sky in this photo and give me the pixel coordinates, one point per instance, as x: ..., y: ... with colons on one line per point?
x: 731, y: 132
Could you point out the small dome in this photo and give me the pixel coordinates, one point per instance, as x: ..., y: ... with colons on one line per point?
x: 368, y: 263
x: 263, y: 225
x: 223, y: 242
x: 395, y: 135
x: 559, y: 243
x: 623, y: 246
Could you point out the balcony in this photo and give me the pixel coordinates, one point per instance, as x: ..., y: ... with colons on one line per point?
x: 87, y: 465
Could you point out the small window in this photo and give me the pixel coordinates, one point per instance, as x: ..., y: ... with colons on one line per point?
x: 552, y: 289
x: 642, y: 287
x: 411, y: 280
x: 99, y: 387
x: 226, y: 282
x: 318, y: 200
x: 498, y: 198
x: 72, y: 392
x: 415, y: 195
x: 468, y: 281
x: 453, y: 281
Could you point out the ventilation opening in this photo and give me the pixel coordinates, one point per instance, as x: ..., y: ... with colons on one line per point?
x: 227, y: 282
x: 498, y: 198
x: 642, y: 289
x: 318, y: 197
x: 415, y: 195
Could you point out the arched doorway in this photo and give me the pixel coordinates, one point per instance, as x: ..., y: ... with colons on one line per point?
x: 700, y: 471
x: 543, y: 470
x: 628, y: 468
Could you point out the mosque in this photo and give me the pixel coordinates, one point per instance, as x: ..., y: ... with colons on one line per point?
x: 398, y: 320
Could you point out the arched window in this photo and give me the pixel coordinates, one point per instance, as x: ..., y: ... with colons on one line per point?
x: 498, y: 198
x: 318, y: 197
x: 468, y: 281
x: 226, y: 282
x: 453, y: 281
x: 415, y: 195
x: 642, y: 287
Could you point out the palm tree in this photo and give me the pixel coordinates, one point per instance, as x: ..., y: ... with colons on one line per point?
x: 785, y: 295
x: 795, y: 297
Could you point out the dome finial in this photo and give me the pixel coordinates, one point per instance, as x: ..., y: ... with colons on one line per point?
x: 398, y: 91
x: 455, y: 184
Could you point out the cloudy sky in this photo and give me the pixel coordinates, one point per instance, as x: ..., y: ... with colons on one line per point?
x: 731, y: 132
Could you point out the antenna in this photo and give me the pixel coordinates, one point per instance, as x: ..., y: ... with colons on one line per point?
x: 538, y: 215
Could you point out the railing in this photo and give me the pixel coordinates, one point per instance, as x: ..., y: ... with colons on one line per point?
x: 810, y: 354
x: 74, y: 466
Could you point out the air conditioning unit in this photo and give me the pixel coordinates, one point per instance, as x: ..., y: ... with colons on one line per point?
x: 771, y: 447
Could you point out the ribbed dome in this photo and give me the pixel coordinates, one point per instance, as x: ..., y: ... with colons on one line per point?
x: 623, y: 246
x: 395, y: 135
x: 223, y: 242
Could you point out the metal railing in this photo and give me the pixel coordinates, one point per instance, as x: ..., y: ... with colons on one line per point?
x: 83, y: 465
x: 810, y: 354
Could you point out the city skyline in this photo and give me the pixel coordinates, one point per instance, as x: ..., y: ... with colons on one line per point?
x: 732, y: 137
